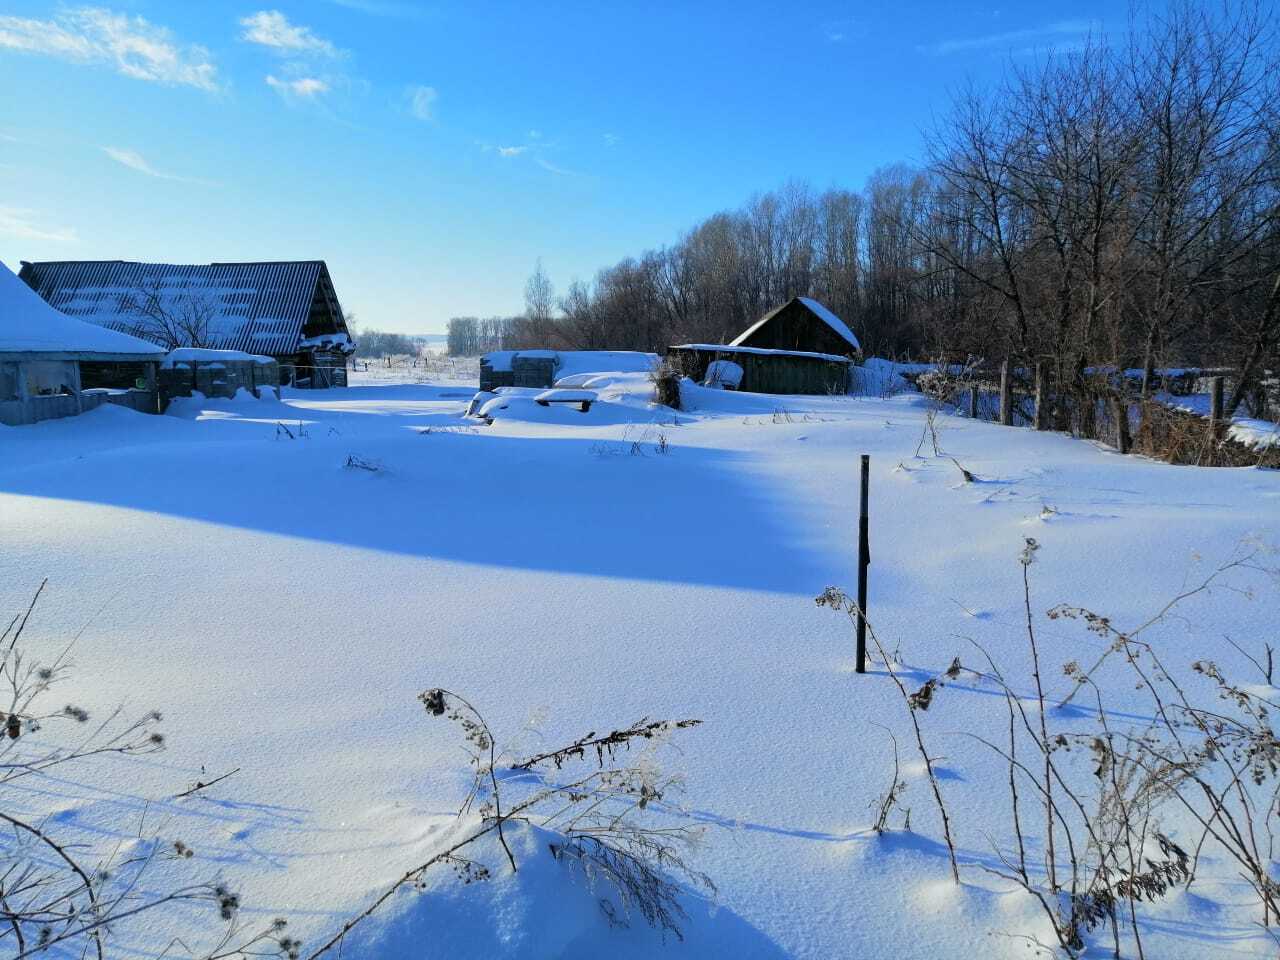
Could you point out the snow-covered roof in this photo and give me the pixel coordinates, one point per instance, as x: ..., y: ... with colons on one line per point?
x: 256, y: 307
x: 730, y: 348
x: 201, y: 355
x: 29, y: 325
x: 814, y: 307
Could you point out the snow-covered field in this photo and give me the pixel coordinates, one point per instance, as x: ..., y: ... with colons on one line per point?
x: 283, y: 610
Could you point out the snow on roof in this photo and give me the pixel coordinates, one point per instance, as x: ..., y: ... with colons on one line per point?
x: 328, y: 341
x: 29, y: 325
x: 193, y: 354
x: 814, y: 307
x: 730, y: 348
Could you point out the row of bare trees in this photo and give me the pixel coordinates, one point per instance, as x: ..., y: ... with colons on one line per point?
x: 1115, y: 206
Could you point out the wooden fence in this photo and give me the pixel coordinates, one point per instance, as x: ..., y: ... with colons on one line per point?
x: 1103, y: 409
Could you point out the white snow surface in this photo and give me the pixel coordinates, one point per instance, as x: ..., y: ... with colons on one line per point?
x: 283, y: 611
x: 29, y: 325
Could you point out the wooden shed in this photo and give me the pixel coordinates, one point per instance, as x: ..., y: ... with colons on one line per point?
x: 52, y: 365
x: 801, y: 324
x: 767, y: 371
x: 287, y: 310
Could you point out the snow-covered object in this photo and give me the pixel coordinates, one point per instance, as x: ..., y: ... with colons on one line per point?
x: 328, y: 341
x: 730, y: 348
x: 478, y: 401
x: 723, y: 374
x: 1258, y: 434
x: 573, y: 362
x: 29, y: 325
x: 570, y: 363
x: 566, y: 395
x: 201, y: 355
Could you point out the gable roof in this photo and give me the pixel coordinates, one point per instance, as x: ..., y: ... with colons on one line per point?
x: 814, y: 307
x: 28, y: 325
x: 260, y: 308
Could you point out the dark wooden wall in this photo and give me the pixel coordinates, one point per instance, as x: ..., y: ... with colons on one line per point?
x: 768, y: 372
x: 794, y: 327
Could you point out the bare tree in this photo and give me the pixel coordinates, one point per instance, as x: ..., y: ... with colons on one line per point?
x: 173, y: 318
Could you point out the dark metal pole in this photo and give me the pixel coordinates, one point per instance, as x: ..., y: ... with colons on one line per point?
x: 864, y: 558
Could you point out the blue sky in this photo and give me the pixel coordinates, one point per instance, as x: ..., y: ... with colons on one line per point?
x: 431, y: 153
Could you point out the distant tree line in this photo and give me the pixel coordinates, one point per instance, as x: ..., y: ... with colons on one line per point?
x: 379, y: 343
x: 1114, y: 206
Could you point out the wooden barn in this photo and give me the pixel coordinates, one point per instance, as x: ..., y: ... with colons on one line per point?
x: 801, y: 347
x: 288, y: 311
x: 766, y: 371
x: 52, y: 365
x: 802, y: 324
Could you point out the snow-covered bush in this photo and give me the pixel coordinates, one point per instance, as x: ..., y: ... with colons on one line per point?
x: 591, y: 808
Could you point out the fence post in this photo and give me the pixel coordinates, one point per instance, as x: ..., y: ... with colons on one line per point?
x: 973, y: 401
x: 1006, y: 396
x: 864, y: 558
x: 1120, y: 411
x: 1215, y: 405
x: 1038, y: 422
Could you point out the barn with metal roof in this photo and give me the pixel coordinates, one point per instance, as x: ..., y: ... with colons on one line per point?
x: 288, y: 310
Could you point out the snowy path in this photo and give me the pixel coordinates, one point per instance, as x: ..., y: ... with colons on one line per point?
x: 283, y: 610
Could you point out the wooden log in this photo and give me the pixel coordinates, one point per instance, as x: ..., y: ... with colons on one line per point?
x: 1006, y: 396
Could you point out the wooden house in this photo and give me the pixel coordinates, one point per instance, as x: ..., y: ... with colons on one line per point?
x: 285, y: 310
x: 801, y: 324
x: 801, y: 347
x: 52, y: 365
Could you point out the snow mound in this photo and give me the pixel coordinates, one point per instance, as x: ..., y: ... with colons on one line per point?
x: 544, y: 910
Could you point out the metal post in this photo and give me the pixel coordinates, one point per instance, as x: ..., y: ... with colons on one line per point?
x: 864, y: 558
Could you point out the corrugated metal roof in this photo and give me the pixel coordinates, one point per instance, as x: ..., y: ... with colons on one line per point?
x: 260, y: 308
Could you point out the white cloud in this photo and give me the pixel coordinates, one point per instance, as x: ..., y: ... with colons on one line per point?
x: 558, y: 171
x: 20, y: 223
x: 612, y: 139
x: 422, y: 101
x: 271, y: 28
x: 511, y: 151
x: 1011, y: 39
x: 136, y: 161
x: 134, y: 46
x: 306, y: 87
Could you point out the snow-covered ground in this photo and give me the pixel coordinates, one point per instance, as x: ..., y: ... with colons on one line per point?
x: 283, y: 610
